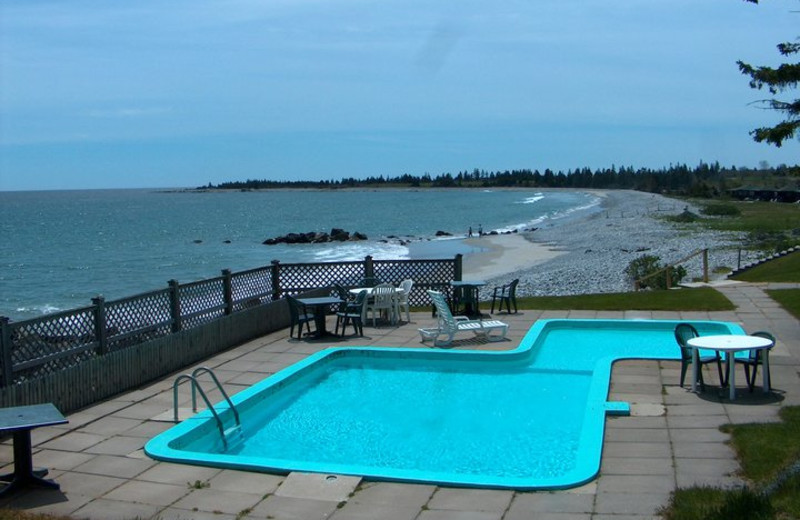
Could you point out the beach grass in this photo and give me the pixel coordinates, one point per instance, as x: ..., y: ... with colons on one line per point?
x: 698, y: 299
x: 765, y: 451
x: 783, y: 269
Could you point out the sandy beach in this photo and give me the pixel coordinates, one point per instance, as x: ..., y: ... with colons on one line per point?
x: 504, y: 254
x: 588, y: 251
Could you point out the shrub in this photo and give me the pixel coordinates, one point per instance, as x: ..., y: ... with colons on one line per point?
x: 646, y: 265
x: 721, y: 210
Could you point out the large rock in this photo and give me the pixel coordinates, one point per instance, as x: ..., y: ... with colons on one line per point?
x: 314, y: 237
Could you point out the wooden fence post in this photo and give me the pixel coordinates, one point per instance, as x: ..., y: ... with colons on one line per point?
x: 459, y: 267
x: 227, y: 291
x: 5, y: 351
x: 705, y: 265
x: 369, y: 268
x: 175, y: 305
x: 276, y: 280
x: 100, y: 328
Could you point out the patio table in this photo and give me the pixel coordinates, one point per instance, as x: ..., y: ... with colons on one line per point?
x: 730, y: 344
x: 320, y: 304
x: 19, y: 421
x: 466, y: 292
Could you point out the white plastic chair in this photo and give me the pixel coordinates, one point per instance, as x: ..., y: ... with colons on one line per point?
x: 402, y: 297
x: 383, y: 298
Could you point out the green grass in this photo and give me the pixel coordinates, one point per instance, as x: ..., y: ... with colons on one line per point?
x: 783, y: 269
x: 764, y: 450
x: 700, y: 299
x: 756, y: 217
x: 788, y: 298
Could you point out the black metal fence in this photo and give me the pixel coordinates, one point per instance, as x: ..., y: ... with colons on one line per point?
x: 36, y: 348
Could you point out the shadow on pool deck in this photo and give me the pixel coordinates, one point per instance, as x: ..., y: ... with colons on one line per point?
x: 671, y: 439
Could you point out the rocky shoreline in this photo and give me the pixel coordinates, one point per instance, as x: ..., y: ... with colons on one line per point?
x: 599, y: 246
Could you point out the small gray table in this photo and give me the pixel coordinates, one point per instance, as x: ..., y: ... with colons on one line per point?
x: 19, y: 421
x: 320, y: 305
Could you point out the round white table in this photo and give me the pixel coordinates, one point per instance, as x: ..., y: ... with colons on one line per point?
x: 730, y: 344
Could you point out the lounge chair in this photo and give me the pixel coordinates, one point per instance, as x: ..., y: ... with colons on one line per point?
x: 449, y: 325
x: 683, y: 333
x: 506, y: 293
x: 754, y: 358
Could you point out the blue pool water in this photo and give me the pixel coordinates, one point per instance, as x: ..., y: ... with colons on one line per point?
x: 530, y: 418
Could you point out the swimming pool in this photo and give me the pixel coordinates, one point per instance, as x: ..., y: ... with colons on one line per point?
x: 529, y: 418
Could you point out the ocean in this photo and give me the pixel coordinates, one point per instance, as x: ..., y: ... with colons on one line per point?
x: 59, y: 249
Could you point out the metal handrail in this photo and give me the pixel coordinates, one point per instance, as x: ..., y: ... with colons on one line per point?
x: 197, y: 388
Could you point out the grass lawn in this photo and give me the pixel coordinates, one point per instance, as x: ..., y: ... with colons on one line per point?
x: 784, y: 269
x: 764, y: 451
x: 788, y: 298
x: 700, y: 299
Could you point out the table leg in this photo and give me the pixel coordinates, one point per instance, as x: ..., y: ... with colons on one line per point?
x: 731, y: 375
x: 765, y: 371
x: 695, y: 371
x: 24, y: 474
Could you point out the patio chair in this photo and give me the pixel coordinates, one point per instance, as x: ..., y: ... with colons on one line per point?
x: 755, y: 358
x: 298, y: 314
x: 506, y: 293
x: 403, y: 295
x: 449, y: 325
x: 342, y: 293
x: 353, y: 312
x: 383, y: 298
x: 683, y: 333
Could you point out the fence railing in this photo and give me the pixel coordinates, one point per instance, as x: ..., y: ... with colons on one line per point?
x: 35, y: 348
x: 667, y: 270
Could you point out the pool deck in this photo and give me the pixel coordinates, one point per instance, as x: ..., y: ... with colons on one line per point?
x: 671, y: 440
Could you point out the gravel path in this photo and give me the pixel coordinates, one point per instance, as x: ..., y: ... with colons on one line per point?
x: 601, y: 242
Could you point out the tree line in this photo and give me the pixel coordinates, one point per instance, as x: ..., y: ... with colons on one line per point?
x: 704, y: 180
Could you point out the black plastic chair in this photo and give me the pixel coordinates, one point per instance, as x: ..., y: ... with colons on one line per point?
x: 683, y: 333
x: 505, y: 293
x: 754, y: 359
x: 342, y: 293
x: 352, y: 312
x: 298, y: 314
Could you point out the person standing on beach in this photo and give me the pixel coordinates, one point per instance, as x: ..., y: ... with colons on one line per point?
x: 480, y: 230
x: 469, y: 233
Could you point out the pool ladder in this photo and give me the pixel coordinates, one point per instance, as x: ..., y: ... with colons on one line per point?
x: 234, y: 431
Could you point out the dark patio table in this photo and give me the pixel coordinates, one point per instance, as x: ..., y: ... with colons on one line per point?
x: 20, y: 420
x: 466, y: 292
x: 320, y: 304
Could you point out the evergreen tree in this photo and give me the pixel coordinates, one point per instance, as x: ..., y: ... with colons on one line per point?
x: 785, y: 76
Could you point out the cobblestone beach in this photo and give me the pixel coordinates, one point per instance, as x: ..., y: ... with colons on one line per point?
x: 589, y: 251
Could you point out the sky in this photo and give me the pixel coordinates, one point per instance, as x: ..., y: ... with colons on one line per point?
x: 111, y: 94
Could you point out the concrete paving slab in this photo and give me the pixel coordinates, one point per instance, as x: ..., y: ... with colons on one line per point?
x: 458, y: 499
x: 288, y: 508
x: 318, y: 486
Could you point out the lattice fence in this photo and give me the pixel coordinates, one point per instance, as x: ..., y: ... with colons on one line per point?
x: 35, y: 348
x: 43, y: 345
x: 138, y: 319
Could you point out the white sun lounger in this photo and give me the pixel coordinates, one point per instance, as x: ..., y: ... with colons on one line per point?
x: 448, y: 325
